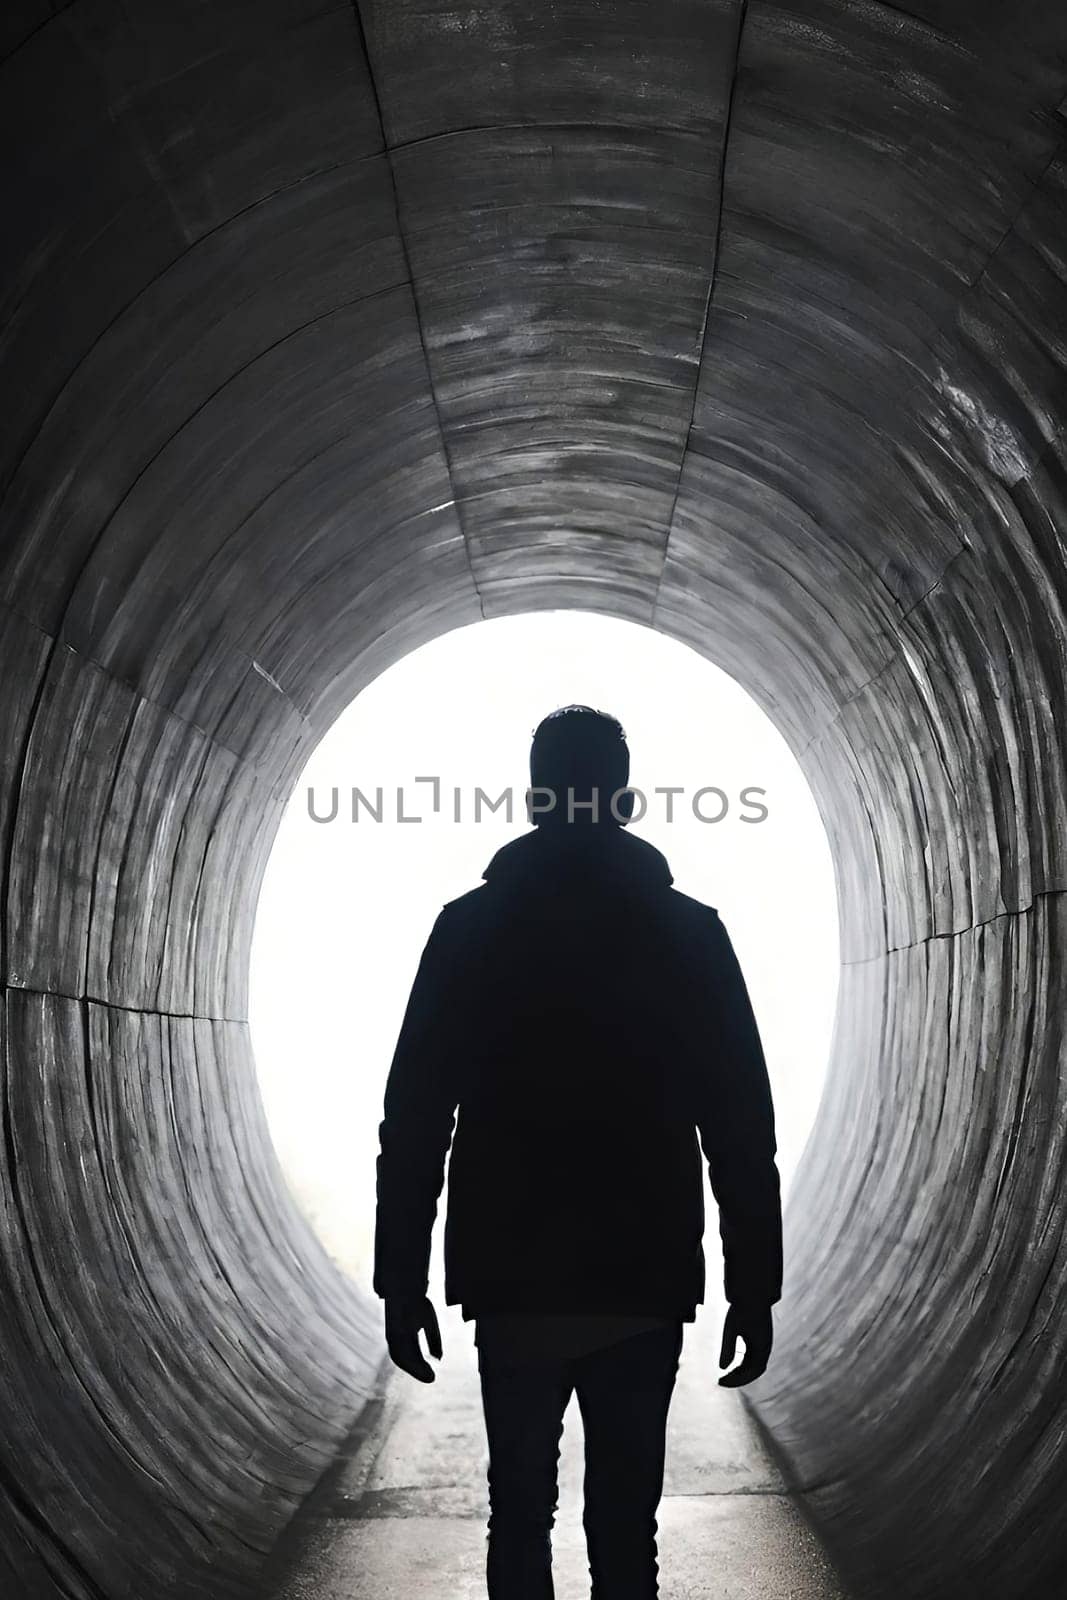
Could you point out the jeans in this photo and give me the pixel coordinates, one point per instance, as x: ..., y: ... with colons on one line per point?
x: 624, y: 1392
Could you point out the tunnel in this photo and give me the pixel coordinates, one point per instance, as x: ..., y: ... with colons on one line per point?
x: 328, y: 328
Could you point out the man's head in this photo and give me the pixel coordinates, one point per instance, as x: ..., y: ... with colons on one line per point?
x: 581, y: 757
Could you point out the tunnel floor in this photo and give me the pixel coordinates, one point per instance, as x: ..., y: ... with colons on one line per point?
x: 403, y: 1512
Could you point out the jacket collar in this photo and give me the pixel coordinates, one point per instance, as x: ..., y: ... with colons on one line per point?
x: 581, y: 848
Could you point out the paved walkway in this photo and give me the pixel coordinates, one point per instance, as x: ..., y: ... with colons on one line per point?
x: 403, y: 1515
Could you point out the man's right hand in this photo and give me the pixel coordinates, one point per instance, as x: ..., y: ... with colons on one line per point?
x: 404, y: 1320
x: 754, y: 1325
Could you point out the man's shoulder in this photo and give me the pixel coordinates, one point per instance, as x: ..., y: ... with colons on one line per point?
x: 462, y: 912
x: 474, y: 909
x: 695, y: 913
x: 466, y: 901
x: 697, y: 927
x: 457, y: 928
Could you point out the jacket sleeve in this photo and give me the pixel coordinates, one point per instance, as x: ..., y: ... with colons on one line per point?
x: 736, y: 1126
x: 421, y: 1095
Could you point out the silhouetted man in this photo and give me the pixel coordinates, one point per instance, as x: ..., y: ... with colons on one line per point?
x: 590, y: 1025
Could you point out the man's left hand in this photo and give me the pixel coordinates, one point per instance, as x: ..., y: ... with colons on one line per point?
x: 404, y: 1321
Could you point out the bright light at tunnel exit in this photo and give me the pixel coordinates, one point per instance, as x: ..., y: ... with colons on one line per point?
x: 347, y: 905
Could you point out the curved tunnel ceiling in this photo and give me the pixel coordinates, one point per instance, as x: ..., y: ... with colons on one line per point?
x: 325, y: 330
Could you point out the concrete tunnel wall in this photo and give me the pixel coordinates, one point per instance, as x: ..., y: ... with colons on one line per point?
x: 326, y: 331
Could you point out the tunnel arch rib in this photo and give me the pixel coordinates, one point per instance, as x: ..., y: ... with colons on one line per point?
x: 326, y: 330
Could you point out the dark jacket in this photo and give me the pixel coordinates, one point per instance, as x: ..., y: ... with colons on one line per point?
x: 589, y: 1022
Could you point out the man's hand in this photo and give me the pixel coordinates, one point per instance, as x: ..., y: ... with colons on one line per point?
x: 404, y: 1320
x: 755, y: 1327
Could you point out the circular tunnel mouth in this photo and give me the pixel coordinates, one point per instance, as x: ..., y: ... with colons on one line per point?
x: 402, y: 805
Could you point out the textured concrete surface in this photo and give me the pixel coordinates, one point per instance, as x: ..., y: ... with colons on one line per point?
x: 328, y: 327
x: 404, y: 1516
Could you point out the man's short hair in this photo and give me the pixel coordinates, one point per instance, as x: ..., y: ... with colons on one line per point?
x: 580, y: 750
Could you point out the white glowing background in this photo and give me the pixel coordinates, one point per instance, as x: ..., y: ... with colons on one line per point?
x: 346, y: 907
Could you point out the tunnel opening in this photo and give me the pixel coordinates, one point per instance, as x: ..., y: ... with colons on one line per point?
x: 727, y: 804
x: 403, y: 803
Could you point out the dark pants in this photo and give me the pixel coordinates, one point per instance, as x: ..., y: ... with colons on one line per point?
x: 624, y: 1392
